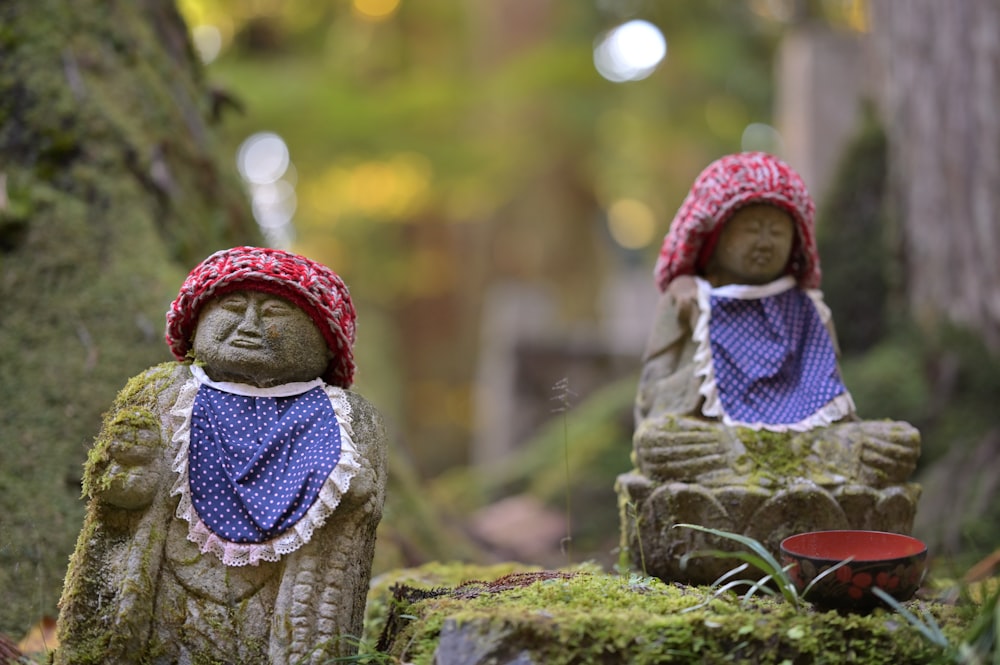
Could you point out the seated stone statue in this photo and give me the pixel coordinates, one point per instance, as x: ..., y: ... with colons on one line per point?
x: 234, y: 494
x: 743, y: 422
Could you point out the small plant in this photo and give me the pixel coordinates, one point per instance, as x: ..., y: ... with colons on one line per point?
x: 561, y: 393
x: 758, y: 556
x: 979, y: 646
x: 631, y: 512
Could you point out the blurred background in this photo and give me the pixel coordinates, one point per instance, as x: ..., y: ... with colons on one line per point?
x: 493, y: 180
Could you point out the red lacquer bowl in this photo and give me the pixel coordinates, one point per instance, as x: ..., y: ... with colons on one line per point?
x: 890, y: 561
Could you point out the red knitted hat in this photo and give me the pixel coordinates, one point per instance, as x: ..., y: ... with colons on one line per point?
x: 313, y: 287
x: 727, y: 184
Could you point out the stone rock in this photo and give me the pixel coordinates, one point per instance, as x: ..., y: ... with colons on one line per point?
x: 478, y: 644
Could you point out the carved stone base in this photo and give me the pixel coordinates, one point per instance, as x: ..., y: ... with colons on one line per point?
x: 650, y: 509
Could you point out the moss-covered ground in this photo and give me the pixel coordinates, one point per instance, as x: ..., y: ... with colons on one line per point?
x: 584, y: 615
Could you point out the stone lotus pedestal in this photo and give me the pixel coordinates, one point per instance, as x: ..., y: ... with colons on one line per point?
x: 765, y: 485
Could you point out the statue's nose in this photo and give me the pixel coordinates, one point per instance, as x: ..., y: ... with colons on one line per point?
x: 765, y: 238
x: 250, y: 325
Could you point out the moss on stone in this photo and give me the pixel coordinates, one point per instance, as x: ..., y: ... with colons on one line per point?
x: 587, y: 616
x: 773, y: 454
x: 432, y: 575
x: 133, y: 412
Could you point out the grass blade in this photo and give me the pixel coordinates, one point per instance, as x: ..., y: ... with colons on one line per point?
x: 829, y: 571
x: 929, y: 630
x: 748, y: 542
x: 758, y: 556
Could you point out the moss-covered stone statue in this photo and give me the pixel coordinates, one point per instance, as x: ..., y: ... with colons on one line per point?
x: 742, y: 420
x: 234, y: 494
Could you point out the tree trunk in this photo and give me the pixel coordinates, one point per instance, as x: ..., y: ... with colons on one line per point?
x: 109, y: 193
x: 942, y: 89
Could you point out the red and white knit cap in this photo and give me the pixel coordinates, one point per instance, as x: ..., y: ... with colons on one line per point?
x: 726, y: 185
x: 313, y: 287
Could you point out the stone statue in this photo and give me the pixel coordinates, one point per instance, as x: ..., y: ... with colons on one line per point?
x: 234, y: 494
x: 742, y: 420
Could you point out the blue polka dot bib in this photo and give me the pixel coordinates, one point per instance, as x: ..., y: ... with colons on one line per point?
x: 257, y: 463
x: 767, y: 359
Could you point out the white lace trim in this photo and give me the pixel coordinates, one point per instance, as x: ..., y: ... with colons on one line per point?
x: 243, y: 554
x: 283, y: 390
x: 836, y: 409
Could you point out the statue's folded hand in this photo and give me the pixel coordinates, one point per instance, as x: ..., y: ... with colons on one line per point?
x: 678, y: 448
x: 891, y: 451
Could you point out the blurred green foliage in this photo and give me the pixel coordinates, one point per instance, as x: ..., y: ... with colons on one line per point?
x: 446, y: 146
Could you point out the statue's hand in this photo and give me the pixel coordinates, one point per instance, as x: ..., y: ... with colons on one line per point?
x: 133, y: 471
x: 876, y: 453
x: 889, y: 452
x: 362, y: 487
x: 679, y: 448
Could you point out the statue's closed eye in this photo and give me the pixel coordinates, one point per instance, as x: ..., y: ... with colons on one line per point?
x: 275, y: 308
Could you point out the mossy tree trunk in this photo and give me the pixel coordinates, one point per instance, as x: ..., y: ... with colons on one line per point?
x: 941, y: 90
x: 109, y: 192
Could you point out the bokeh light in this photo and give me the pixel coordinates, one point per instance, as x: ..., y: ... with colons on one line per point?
x: 764, y: 137
x: 630, y: 52
x: 207, y: 42
x: 631, y: 223
x: 265, y: 164
x: 375, y: 10
x: 392, y: 189
x: 262, y: 158
x: 274, y: 204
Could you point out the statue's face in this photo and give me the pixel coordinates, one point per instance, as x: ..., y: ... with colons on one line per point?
x: 753, y: 248
x: 258, y: 338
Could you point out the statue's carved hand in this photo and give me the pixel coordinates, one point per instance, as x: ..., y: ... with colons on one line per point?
x: 362, y: 487
x: 679, y: 448
x: 890, y: 452
x: 877, y: 453
x: 133, y: 472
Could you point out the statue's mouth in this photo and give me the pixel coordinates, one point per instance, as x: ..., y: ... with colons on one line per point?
x: 244, y: 343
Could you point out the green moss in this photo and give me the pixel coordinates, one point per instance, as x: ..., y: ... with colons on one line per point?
x: 772, y: 458
x: 429, y: 576
x: 591, y: 617
x: 133, y: 412
x: 770, y: 453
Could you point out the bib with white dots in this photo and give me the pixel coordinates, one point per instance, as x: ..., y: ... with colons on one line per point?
x: 766, y: 359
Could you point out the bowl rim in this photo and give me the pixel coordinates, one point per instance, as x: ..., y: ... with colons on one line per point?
x: 812, y: 557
